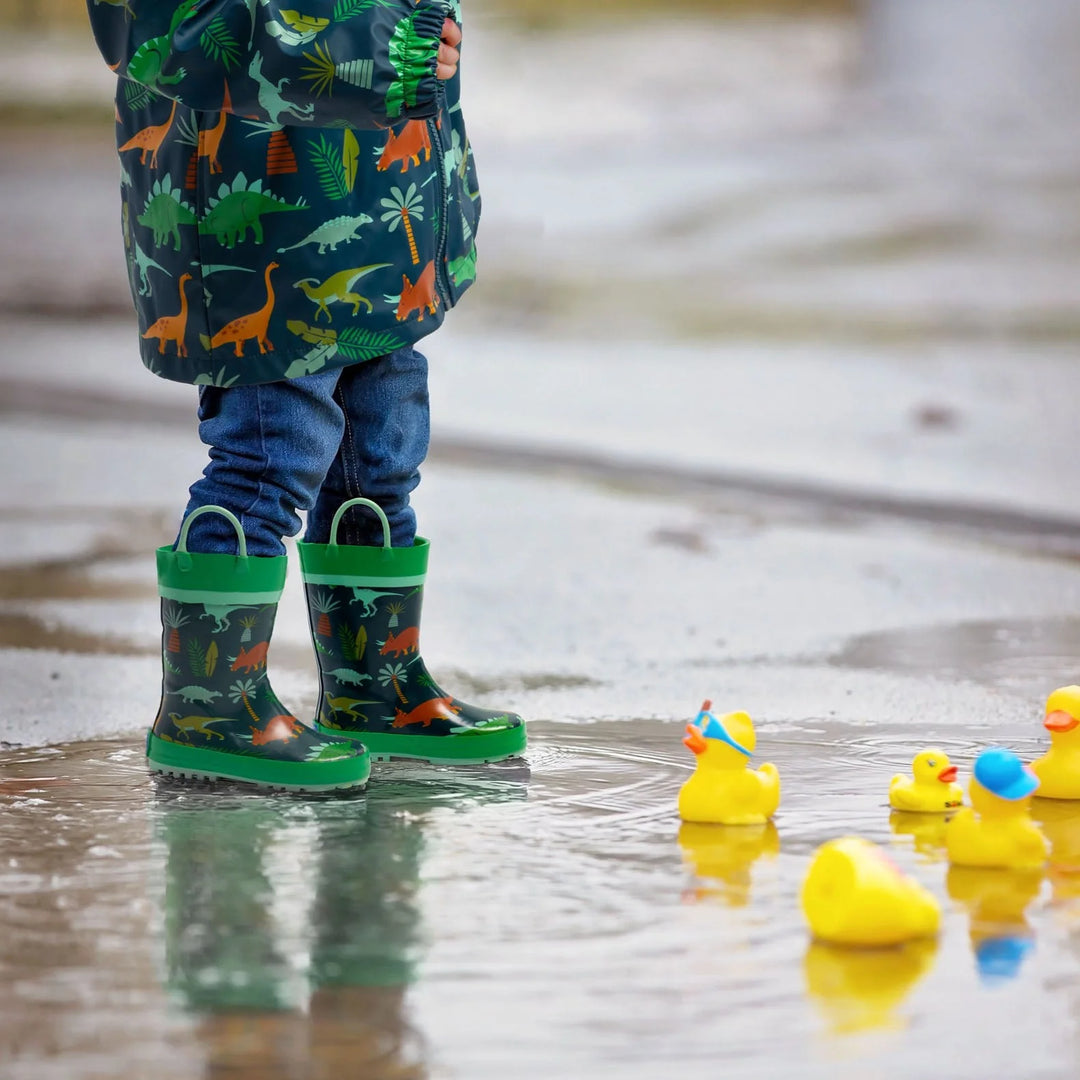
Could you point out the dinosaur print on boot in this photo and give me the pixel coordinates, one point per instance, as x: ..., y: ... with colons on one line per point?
x: 219, y: 716
x: 369, y: 637
x: 238, y: 709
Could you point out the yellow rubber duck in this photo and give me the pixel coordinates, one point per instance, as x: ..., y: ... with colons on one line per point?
x: 997, y: 830
x: 854, y: 894
x: 723, y: 790
x: 932, y: 787
x: 1058, y: 769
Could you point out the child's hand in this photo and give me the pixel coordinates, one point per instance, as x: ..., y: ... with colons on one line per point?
x: 448, y: 53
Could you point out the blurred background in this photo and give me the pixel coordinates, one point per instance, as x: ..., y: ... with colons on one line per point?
x: 857, y: 216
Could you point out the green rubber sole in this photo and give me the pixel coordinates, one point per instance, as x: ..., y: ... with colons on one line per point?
x: 195, y: 763
x: 439, y: 749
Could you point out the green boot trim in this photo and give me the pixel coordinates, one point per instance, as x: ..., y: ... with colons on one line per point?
x: 219, y: 579
x: 364, y: 608
x: 201, y: 764
x: 474, y: 747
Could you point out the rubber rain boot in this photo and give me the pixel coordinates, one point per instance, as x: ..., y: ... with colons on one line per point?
x: 364, y: 606
x: 219, y: 716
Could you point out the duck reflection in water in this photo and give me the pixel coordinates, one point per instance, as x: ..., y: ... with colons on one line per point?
x: 927, y: 832
x: 722, y: 856
x: 858, y: 990
x: 292, y: 928
x: 1060, y: 823
x: 996, y: 902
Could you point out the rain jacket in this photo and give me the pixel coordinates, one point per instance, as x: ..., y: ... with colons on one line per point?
x: 298, y: 190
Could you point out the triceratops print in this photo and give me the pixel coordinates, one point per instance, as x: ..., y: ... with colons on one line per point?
x: 403, y: 643
x: 251, y: 659
x: 418, y: 296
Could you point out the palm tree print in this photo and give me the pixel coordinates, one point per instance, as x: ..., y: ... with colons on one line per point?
x: 242, y: 690
x: 174, y: 617
x: 324, y: 603
x: 394, y: 610
x: 247, y: 622
x: 395, y: 674
x: 403, y: 208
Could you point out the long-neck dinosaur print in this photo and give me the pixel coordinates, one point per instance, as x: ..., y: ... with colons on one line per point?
x: 248, y: 327
x: 172, y: 327
x: 149, y: 139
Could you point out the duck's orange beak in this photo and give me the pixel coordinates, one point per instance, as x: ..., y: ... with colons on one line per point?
x: 1059, y: 722
x: 947, y: 776
x: 694, y: 740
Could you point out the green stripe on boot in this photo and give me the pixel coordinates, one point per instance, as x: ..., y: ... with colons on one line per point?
x: 219, y: 717
x: 364, y: 604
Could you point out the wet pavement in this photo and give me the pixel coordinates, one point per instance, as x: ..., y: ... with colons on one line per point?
x: 547, y: 916
x: 810, y: 457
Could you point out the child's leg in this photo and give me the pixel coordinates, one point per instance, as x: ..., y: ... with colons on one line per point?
x: 365, y: 601
x: 386, y: 431
x: 270, y: 449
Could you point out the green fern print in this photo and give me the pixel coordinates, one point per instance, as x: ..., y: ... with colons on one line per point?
x: 219, y: 44
x: 330, y: 169
x: 348, y: 9
x: 196, y: 658
x: 355, y: 343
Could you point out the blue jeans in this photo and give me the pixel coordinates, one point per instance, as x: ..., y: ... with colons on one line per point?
x: 310, y: 444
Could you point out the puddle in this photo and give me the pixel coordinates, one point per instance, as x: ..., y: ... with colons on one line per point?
x: 549, y: 918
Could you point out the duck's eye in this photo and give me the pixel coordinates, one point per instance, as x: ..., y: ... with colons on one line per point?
x: 932, y: 763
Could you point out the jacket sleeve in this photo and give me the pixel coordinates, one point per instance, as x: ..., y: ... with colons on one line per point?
x: 364, y: 63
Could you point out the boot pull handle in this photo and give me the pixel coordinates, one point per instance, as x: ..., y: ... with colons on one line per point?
x: 359, y: 502
x: 183, y: 558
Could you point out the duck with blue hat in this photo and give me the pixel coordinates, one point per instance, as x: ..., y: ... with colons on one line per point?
x: 997, y: 830
x: 724, y: 790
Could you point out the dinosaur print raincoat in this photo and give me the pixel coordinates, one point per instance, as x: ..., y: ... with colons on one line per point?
x: 298, y: 190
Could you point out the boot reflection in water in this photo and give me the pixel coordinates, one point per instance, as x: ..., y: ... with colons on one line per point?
x: 253, y: 888
x: 234, y: 926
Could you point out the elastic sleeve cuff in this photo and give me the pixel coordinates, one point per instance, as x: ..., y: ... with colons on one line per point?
x: 414, y: 53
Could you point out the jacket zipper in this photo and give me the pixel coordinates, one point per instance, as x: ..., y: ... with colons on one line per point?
x: 442, y: 280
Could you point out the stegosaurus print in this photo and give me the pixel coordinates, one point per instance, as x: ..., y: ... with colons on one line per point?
x: 239, y: 207
x: 165, y: 212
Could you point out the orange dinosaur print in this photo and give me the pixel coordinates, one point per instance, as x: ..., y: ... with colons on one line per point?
x: 250, y: 326
x: 172, y: 327
x: 400, y: 644
x: 150, y: 139
x: 210, y: 138
x: 439, y: 708
x: 416, y: 297
x: 251, y: 659
x: 278, y: 729
x: 407, y: 146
